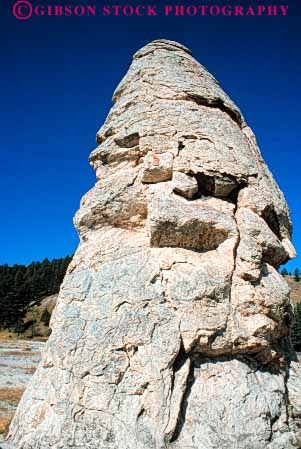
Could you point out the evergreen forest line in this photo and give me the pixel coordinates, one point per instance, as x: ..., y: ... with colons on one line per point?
x: 22, y: 287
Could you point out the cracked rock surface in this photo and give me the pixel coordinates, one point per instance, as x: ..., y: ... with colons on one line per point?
x: 172, y: 326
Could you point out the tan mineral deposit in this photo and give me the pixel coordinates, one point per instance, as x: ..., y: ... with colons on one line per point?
x: 172, y: 326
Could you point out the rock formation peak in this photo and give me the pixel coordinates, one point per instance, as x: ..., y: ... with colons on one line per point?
x: 172, y: 325
x: 159, y: 44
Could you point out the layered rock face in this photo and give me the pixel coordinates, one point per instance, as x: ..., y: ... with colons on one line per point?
x: 171, y: 328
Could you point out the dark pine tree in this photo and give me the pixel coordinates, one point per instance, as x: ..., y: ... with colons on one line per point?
x: 45, y: 317
x: 297, y: 275
x: 284, y: 272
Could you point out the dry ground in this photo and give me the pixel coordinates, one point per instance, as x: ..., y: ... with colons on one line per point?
x: 295, y: 289
x: 18, y: 362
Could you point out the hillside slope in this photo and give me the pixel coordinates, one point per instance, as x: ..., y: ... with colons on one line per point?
x: 295, y: 289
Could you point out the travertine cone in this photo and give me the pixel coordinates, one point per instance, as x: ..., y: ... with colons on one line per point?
x: 171, y: 328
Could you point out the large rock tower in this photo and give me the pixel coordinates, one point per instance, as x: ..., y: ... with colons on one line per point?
x: 171, y: 328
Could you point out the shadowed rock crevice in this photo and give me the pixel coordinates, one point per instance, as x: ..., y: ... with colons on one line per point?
x: 218, y: 104
x: 220, y: 185
x: 184, y: 402
x: 272, y: 221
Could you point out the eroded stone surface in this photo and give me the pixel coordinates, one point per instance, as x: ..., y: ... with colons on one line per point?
x: 172, y: 326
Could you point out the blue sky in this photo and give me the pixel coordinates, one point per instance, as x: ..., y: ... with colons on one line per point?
x: 57, y: 78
